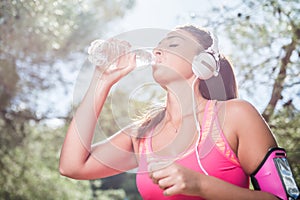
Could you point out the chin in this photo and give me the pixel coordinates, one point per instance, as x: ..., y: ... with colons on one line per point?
x: 163, y: 76
x: 160, y: 75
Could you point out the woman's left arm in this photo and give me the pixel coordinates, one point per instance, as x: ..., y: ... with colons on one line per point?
x: 253, y: 134
x: 176, y: 179
x: 254, y: 139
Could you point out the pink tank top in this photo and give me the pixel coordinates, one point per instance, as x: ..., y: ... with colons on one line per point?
x: 215, y: 154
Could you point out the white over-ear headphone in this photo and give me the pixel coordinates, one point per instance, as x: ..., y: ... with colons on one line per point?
x: 207, y: 63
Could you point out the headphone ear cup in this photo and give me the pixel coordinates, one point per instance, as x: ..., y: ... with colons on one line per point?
x: 204, y: 66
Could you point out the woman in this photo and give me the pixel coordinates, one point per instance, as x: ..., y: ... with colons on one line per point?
x: 214, y: 162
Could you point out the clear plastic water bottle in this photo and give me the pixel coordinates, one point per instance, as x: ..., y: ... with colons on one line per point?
x: 144, y: 56
x: 104, y: 53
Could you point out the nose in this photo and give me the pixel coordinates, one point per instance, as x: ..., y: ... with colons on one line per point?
x: 157, y: 52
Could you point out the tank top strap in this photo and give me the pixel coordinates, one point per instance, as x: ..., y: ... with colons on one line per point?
x: 209, y: 116
x: 212, y: 134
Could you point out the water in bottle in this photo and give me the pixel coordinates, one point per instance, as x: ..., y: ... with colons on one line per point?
x: 104, y: 53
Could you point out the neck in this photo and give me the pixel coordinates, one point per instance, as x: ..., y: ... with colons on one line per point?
x: 180, y: 100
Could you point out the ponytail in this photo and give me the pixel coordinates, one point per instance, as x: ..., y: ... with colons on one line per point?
x: 222, y: 87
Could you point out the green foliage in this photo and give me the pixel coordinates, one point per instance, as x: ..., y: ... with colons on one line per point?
x: 267, y: 42
x: 38, y: 38
x: 38, y: 30
x: 286, y: 127
x: 8, y: 89
x: 122, y: 183
x: 265, y: 39
x: 38, y: 35
x: 30, y: 170
x: 262, y: 34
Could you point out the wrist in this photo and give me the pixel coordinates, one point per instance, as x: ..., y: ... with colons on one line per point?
x: 202, y: 184
x: 100, y: 78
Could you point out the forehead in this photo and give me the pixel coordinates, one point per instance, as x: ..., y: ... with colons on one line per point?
x: 181, y: 35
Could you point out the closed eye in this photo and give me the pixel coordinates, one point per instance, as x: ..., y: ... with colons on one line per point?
x: 173, y: 45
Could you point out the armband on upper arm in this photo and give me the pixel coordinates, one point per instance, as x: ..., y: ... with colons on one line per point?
x: 275, y: 176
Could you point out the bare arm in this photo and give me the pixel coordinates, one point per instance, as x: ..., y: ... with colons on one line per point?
x: 254, y: 135
x: 224, y: 190
x: 253, y: 139
x: 78, y: 159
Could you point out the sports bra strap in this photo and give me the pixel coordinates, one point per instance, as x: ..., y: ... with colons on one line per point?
x: 209, y: 118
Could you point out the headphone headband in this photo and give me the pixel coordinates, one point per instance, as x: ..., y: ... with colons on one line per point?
x: 207, y: 63
x: 214, y: 48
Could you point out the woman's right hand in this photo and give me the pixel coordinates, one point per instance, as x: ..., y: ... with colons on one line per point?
x: 113, y: 58
x: 124, y: 65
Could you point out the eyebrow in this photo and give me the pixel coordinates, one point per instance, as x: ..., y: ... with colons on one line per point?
x: 175, y: 36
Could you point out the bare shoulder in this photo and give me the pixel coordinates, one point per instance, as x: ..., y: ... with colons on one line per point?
x: 236, y: 110
x: 239, y: 106
x: 253, y: 133
x: 244, y: 115
x: 234, y: 116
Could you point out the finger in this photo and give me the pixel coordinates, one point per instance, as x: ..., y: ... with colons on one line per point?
x: 130, y: 65
x: 159, y: 175
x: 132, y: 60
x: 125, y: 61
x: 156, y: 175
x: 122, y: 61
x: 154, y: 180
x: 169, y: 191
x: 165, y: 183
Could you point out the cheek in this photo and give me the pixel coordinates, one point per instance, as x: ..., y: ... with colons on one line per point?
x: 181, y: 65
x: 174, y: 59
x: 186, y: 54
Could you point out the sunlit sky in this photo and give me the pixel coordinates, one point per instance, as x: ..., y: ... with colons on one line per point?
x: 167, y: 14
x: 164, y: 13
x: 161, y: 14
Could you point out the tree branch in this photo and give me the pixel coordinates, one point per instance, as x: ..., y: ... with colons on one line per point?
x: 292, y: 84
x: 279, y: 81
x: 27, y: 116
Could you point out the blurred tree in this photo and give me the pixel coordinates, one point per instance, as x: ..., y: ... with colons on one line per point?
x: 29, y: 170
x: 265, y: 48
x: 286, y: 125
x: 265, y: 36
x: 269, y: 52
x: 264, y: 39
x: 38, y: 38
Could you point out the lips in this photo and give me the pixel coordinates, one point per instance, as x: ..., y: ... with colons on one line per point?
x: 157, y: 60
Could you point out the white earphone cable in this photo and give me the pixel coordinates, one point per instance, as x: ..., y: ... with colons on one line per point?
x: 197, y: 127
